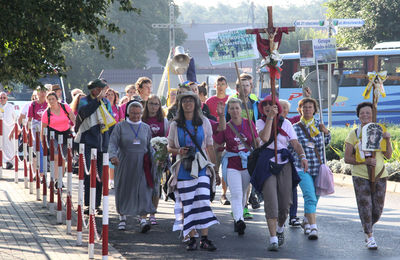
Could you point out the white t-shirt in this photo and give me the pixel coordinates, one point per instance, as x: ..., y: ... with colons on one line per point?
x: 282, y: 141
x: 25, y: 108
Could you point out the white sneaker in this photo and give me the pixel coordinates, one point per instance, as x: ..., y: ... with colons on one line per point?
x: 371, y: 244
x: 144, y: 226
x: 111, y: 184
x: 313, y: 234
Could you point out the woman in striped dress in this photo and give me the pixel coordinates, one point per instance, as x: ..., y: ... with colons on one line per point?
x: 192, y: 180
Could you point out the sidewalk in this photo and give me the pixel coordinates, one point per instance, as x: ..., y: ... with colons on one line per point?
x: 29, y: 231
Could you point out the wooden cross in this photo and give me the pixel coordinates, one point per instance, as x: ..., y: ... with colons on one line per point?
x: 375, y: 95
x: 270, y: 28
x: 272, y: 31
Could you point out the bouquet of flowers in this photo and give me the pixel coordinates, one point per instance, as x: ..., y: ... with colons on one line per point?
x: 298, y: 77
x: 161, y: 154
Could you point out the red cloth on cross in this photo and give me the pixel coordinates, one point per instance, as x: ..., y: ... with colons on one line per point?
x: 263, y: 44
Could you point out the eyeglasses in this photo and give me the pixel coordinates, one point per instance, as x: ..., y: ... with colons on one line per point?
x: 154, y: 104
x: 3, y: 97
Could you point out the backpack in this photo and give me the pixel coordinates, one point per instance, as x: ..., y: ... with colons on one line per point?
x: 66, y: 134
x: 49, y: 113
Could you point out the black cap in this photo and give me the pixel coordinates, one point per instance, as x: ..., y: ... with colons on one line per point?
x: 97, y: 83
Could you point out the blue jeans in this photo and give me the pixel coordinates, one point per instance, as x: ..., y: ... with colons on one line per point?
x: 308, y: 189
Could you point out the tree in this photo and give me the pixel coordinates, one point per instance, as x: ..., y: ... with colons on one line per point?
x: 381, y: 21
x: 33, y: 32
x: 129, y: 47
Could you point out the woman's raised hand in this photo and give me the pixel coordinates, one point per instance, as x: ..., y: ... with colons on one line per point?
x: 220, y: 109
x: 273, y: 112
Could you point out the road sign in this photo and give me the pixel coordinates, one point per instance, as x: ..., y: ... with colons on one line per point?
x: 310, y: 23
x: 348, y: 22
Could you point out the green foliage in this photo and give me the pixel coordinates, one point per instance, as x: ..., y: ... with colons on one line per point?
x: 380, y: 21
x: 396, y: 151
x: 33, y: 32
x: 335, y: 150
x: 129, y: 47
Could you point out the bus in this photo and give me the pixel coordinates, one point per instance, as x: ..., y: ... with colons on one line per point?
x: 349, y: 89
x: 20, y: 94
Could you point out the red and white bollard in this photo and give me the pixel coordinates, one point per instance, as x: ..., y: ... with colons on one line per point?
x: 25, y: 151
x: 80, y: 194
x: 92, y: 202
x: 16, y: 128
x: 105, y: 207
x: 37, y: 170
x: 1, y: 146
x: 30, y: 143
x: 45, y: 154
x: 69, y: 185
x: 59, y: 180
x: 52, y: 167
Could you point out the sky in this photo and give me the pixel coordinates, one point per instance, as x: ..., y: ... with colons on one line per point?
x: 209, y: 3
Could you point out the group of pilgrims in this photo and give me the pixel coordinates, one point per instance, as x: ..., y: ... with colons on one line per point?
x: 209, y: 142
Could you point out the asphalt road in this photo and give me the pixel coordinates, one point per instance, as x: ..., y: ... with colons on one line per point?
x: 340, y: 234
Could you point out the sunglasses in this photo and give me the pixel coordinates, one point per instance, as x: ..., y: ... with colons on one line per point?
x: 3, y: 97
x: 266, y: 103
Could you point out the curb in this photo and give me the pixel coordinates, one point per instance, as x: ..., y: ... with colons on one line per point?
x: 343, y: 179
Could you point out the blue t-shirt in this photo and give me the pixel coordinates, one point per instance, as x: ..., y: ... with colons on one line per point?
x: 185, y: 141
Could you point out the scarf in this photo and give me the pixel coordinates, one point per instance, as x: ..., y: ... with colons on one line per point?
x: 310, y: 124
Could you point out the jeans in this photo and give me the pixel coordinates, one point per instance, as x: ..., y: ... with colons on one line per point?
x: 308, y: 189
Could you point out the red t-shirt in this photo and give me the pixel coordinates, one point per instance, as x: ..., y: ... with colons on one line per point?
x: 233, y: 143
x: 36, y: 110
x: 156, y: 127
x: 212, y: 104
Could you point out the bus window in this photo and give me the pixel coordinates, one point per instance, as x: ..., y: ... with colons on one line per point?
x: 289, y: 67
x: 349, y: 66
x: 392, y: 65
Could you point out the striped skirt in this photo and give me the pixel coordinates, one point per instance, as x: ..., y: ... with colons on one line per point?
x: 192, y: 205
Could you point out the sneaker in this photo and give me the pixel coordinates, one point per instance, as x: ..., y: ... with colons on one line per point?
x: 122, y: 225
x: 246, y: 214
x: 9, y: 165
x: 192, y: 245
x: 206, y: 244
x: 144, y: 226
x: 224, y: 200
x: 99, y: 211
x: 111, y: 184
x: 254, y: 202
x: 294, y: 222
x: 313, y: 234
x: 281, y: 238
x: 273, y: 247
x: 371, y: 244
x: 240, y: 226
